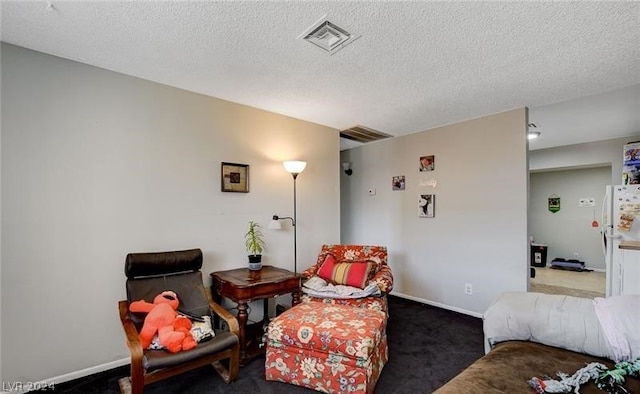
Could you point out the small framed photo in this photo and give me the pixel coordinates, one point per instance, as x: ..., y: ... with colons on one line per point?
x: 427, y: 163
x: 427, y: 206
x: 397, y: 182
x: 234, y: 177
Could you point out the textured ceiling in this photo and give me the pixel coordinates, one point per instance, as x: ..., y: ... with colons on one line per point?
x: 417, y: 65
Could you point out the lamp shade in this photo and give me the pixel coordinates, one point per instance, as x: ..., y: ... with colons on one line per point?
x: 294, y: 167
x: 274, y: 224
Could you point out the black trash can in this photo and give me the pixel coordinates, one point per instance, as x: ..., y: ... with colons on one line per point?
x: 538, y: 255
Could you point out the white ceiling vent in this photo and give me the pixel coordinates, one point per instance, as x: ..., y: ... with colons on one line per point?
x: 328, y: 36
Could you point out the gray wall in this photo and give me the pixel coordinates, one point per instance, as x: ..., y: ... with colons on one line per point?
x: 96, y: 164
x: 479, y: 232
x: 569, y: 230
x: 606, y: 153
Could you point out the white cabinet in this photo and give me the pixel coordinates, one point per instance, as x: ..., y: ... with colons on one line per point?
x: 629, y: 269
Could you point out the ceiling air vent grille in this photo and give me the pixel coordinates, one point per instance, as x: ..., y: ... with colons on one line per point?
x: 363, y: 134
x: 328, y: 36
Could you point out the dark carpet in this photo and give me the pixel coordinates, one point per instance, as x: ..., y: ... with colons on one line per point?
x: 427, y: 347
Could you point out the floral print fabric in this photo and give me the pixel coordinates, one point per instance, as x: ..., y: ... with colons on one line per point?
x: 372, y: 303
x: 329, y: 348
x: 383, y: 276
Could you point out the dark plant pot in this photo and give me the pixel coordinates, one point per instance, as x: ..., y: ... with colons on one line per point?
x: 255, y: 262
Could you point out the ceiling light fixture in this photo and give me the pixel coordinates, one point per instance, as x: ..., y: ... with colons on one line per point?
x: 532, y: 134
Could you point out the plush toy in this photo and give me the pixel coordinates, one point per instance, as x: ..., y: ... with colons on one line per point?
x: 611, y: 381
x: 173, y: 330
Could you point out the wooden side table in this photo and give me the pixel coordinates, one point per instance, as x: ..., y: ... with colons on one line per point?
x: 243, y: 286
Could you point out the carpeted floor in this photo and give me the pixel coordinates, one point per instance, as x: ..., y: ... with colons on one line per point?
x: 551, y: 289
x: 427, y: 347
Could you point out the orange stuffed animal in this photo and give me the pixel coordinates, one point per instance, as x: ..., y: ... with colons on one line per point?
x: 173, y: 330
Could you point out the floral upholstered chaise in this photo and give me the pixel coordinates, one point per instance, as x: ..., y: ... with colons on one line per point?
x: 335, y: 343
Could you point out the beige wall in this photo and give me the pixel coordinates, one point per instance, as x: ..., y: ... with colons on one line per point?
x: 96, y: 164
x: 479, y: 232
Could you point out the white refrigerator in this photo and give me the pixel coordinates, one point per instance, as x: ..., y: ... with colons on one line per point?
x: 621, y: 225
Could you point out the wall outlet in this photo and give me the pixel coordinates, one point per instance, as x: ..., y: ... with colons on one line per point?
x: 372, y: 192
x: 468, y: 289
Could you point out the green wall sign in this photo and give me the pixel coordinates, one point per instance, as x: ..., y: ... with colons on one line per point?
x: 554, y: 203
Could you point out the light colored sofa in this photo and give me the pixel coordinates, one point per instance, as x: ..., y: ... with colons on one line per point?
x: 532, y: 335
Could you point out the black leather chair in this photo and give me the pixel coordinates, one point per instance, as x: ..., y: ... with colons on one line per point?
x: 149, y: 274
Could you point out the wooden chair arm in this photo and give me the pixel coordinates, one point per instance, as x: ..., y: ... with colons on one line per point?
x: 133, y: 338
x: 231, y: 320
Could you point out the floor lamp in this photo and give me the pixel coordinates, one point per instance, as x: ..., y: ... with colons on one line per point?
x: 294, y: 168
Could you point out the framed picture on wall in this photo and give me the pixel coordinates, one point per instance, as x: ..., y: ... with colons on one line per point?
x: 234, y: 177
x: 427, y: 205
x: 397, y: 182
x: 427, y: 163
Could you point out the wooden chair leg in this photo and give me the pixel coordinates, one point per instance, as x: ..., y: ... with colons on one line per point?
x: 137, y: 377
x: 229, y: 374
x: 234, y: 363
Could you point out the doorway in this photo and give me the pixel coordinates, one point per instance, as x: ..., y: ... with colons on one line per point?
x: 570, y: 233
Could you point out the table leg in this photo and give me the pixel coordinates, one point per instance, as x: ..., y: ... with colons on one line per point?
x: 243, y: 317
x: 217, y: 298
x: 265, y: 311
x: 295, y: 298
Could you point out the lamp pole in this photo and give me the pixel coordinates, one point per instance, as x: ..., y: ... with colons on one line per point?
x: 295, y: 232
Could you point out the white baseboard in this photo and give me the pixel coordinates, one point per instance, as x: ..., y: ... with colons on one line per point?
x: 51, y: 382
x: 437, y: 304
x: 90, y: 371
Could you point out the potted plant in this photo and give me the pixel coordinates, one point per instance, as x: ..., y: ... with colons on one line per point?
x: 254, y: 242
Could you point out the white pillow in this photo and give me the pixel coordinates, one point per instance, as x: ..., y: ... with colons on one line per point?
x: 620, y: 320
x: 202, y: 330
x: 554, y: 320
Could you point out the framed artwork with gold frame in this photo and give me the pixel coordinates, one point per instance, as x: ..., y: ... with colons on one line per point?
x: 234, y: 177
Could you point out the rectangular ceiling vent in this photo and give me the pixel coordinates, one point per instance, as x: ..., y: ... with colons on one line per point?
x: 363, y: 134
x: 328, y: 36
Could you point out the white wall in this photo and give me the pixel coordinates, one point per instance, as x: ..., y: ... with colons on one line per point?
x: 97, y: 164
x: 592, y: 154
x: 479, y: 233
x: 569, y: 230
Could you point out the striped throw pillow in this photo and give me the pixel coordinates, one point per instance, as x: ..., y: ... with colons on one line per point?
x: 349, y: 273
